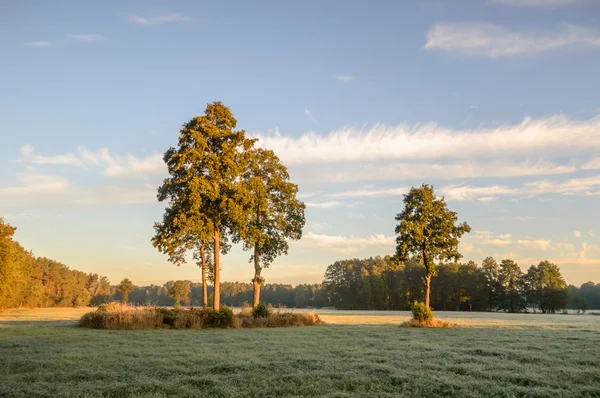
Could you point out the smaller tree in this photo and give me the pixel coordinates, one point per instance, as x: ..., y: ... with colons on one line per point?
x: 125, y: 287
x: 180, y: 290
x: 428, y: 230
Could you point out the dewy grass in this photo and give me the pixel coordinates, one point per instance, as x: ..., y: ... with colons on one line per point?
x: 490, y: 355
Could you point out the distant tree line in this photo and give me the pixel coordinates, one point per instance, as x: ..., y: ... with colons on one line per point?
x: 382, y: 283
x: 29, y: 281
x: 378, y: 283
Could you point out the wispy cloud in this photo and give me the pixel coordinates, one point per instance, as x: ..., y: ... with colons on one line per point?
x: 329, y: 204
x: 537, y: 244
x: 577, y: 234
x: 575, y: 186
x: 439, y: 171
x: 544, y: 136
x: 592, y: 164
x: 345, y: 78
x: 497, y: 41
x: 111, y: 165
x: 40, y: 43
x: 309, y: 115
x: 536, y: 3
x: 347, y: 244
x: 86, y: 37
x: 42, y: 189
x: 159, y: 19
x: 369, y: 192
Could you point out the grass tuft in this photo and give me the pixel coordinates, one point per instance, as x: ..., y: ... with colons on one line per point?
x: 434, y: 323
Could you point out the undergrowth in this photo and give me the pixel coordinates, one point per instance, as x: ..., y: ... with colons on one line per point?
x: 123, y: 317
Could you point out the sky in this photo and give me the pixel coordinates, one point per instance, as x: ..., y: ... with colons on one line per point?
x: 493, y: 102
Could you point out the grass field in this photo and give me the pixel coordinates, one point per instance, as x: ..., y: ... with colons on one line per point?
x: 362, y: 354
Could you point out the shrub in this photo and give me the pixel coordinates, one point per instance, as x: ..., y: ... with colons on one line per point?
x: 220, y: 319
x: 421, y: 313
x: 261, y: 311
x: 156, y: 317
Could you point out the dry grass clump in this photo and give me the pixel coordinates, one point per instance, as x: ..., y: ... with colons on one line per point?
x: 434, y: 323
x: 117, y: 316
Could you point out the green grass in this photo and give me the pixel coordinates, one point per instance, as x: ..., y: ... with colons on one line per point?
x: 43, y: 353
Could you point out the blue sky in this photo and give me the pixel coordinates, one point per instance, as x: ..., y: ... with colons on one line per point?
x: 493, y: 102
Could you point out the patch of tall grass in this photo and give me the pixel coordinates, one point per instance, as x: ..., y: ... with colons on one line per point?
x: 119, y: 316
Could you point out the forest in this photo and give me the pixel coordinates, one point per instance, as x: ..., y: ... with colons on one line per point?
x: 377, y: 283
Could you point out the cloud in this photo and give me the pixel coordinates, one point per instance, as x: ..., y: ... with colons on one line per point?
x: 40, y: 43
x: 348, y: 244
x: 40, y: 189
x: 538, y: 244
x: 536, y: 3
x: 577, y: 234
x: 345, y: 78
x: 493, y: 41
x: 439, y: 171
x: 576, y: 186
x: 592, y: 164
x: 309, y: 115
x: 86, y: 37
x: 159, y: 19
x: 111, y: 165
x: 558, y: 135
x: 369, y: 192
x: 487, y: 238
x: 329, y: 204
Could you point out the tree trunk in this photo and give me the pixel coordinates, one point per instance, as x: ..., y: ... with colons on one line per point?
x: 427, y: 289
x: 256, y: 281
x: 204, y: 284
x: 217, y: 289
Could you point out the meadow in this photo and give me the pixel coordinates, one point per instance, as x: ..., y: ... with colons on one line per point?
x: 357, y: 353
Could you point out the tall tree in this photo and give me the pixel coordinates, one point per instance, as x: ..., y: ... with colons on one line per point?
x: 511, y: 281
x: 274, y: 213
x: 180, y: 290
x: 10, y: 273
x: 205, y: 190
x: 428, y: 230
x: 126, y: 287
x: 491, y: 273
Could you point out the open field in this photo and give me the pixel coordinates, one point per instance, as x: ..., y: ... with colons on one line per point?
x: 358, y: 353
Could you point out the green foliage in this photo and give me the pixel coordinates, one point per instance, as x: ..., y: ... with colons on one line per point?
x: 223, y: 318
x: 261, y: 311
x: 180, y: 290
x: 421, y: 312
x: 274, y: 214
x: 28, y: 281
x: 205, y: 194
x: 126, y: 287
x: 428, y: 231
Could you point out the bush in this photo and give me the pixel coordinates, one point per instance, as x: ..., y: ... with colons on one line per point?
x: 156, y: 318
x: 220, y: 319
x: 261, y: 311
x: 421, y: 313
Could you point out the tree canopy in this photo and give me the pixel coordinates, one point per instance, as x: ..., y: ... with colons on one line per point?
x: 274, y: 213
x: 205, y: 194
x: 428, y: 231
